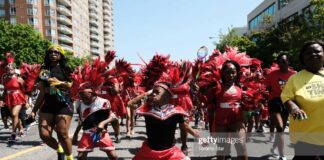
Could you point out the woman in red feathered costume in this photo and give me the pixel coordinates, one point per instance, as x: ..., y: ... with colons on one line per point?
x: 161, y: 119
x: 14, y: 96
x: 253, y: 87
x: 223, y: 78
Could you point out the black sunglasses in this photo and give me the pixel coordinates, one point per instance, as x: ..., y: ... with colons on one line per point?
x: 54, y: 52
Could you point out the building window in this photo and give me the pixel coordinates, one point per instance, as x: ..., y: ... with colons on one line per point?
x: 13, y: 20
x: 2, y: 13
x: 50, y: 12
x: 32, y: 11
x: 50, y: 32
x: 31, y: 1
x: 48, y: 2
x: 32, y: 21
x: 12, y: 1
x: 49, y: 22
x: 12, y: 11
x: 2, y: 2
x: 255, y: 22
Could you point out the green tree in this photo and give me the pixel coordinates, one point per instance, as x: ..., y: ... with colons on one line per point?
x: 232, y: 39
x: 75, y: 61
x: 27, y: 44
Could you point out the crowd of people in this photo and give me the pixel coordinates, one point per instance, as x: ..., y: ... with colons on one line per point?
x: 230, y: 91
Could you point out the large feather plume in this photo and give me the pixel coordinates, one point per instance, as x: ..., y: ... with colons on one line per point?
x: 153, y: 71
x: 241, y: 58
x: 125, y: 73
x: 89, y: 76
x: 110, y: 55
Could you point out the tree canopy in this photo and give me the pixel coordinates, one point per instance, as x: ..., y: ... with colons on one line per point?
x: 27, y: 44
x: 286, y: 37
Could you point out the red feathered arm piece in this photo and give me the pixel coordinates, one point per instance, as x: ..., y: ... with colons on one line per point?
x: 209, y: 81
x: 32, y: 75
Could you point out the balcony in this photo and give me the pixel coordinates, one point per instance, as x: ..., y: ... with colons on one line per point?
x: 65, y: 39
x: 94, y: 22
x: 106, y: 11
x: 94, y: 30
x: 67, y: 47
x: 65, y: 11
x: 93, y: 14
x: 106, y: 17
x: 95, y: 52
x: 93, y: 7
x: 64, y: 19
x: 106, y: 5
x: 94, y: 44
x: 107, y: 29
x: 107, y: 43
x: 106, y: 24
x: 107, y: 39
x: 93, y: 2
x: 65, y: 2
x: 94, y: 36
x: 64, y: 29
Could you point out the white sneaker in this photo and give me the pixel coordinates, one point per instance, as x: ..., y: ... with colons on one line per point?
x: 283, y: 158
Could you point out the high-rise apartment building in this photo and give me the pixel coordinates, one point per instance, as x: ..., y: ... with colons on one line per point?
x: 84, y: 27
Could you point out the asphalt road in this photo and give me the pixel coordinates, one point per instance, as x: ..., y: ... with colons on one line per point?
x: 30, y: 147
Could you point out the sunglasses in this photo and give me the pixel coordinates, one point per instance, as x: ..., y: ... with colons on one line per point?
x: 54, y: 52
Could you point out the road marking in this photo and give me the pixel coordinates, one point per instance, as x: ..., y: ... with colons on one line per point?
x: 21, y: 153
x: 24, y: 152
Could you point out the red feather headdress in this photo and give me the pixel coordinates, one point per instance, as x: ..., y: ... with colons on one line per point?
x: 175, y: 77
x: 89, y: 76
x: 153, y: 71
x: 241, y: 58
x: 109, y: 57
x: 209, y: 82
x: 125, y: 73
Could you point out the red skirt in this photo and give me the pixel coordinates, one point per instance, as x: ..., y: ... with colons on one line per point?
x: 146, y: 153
x: 86, y: 144
x: 226, y: 117
x: 14, y: 98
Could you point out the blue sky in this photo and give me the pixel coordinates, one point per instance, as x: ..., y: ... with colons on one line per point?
x: 175, y: 27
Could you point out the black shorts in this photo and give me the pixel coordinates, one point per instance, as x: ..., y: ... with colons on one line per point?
x: 276, y: 106
x: 5, y: 111
x: 53, y: 106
